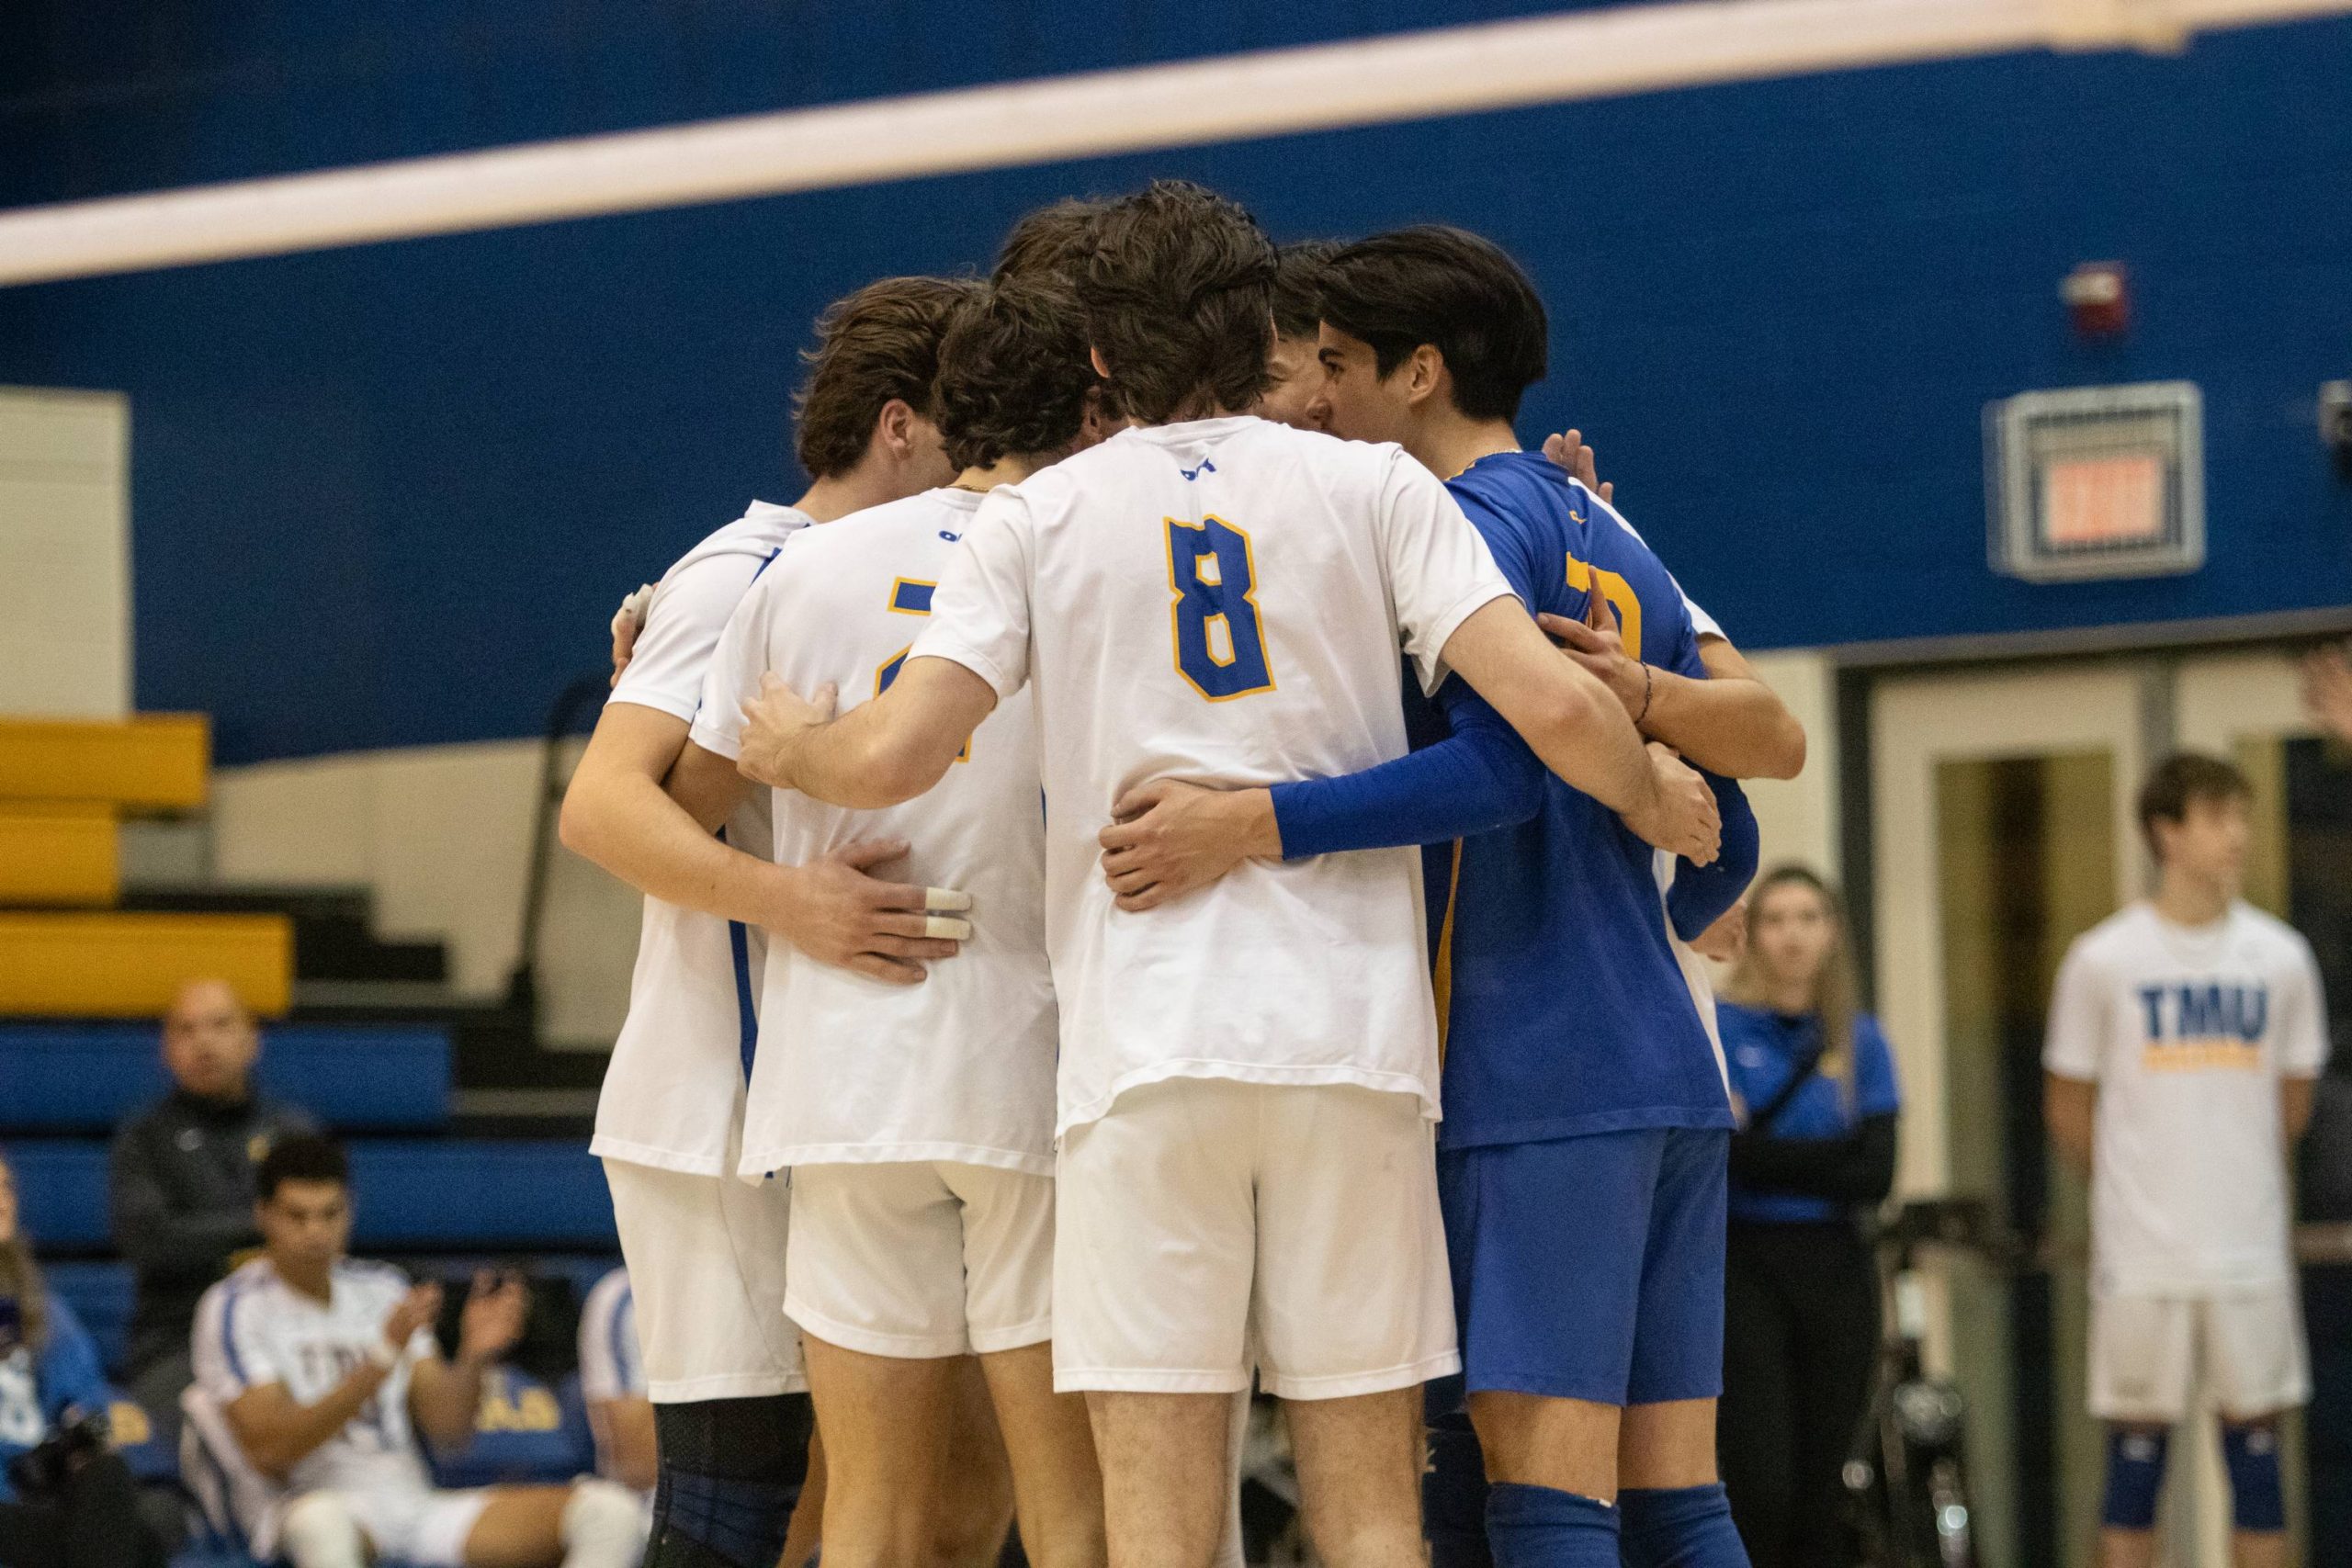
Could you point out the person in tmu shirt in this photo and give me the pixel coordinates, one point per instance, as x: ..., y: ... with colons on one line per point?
x: 2185, y: 1035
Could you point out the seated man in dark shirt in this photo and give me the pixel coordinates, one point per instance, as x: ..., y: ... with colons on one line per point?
x: 183, y: 1178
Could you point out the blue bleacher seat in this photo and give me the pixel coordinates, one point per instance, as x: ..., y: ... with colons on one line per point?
x: 459, y: 1193
x: 89, y: 1077
x: 101, y: 1295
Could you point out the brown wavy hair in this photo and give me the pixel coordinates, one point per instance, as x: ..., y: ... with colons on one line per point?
x: 878, y: 343
x: 1014, y: 376
x: 20, y: 1275
x: 1178, y: 293
x: 1051, y: 243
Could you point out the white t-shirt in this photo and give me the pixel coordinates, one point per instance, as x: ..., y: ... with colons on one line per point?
x: 674, y: 1090
x: 2187, y: 1032
x: 610, y: 1364
x: 1221, y: 600
x: 960, y: 1067
x: 253, y: 1329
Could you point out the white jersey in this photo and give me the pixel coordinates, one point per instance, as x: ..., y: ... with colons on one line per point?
x: 849, y: 1069
x: 253, y: 1329
x: 610, y: 1364
x: 2187, y: 1032
x: 674, y: 1090
x: 1222, y: 600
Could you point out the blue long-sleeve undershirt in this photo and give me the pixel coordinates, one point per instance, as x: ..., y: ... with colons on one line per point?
x: 1480, y: 778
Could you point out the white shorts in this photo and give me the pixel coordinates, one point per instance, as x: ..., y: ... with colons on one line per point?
x: 422, y: 1528
x: 1201, y: 1217
x: 921, y: 1259
x: 705, y: 1258
x: 2249, y: 1347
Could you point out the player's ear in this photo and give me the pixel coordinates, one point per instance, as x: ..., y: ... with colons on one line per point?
x: 1101, y: 369
x: 895, y: 427
x: 1424, y: 372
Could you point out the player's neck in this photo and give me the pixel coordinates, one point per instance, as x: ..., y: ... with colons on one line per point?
x: 837, y: 495
x: 1449, y: 442
x: 1009, y: 470
x: 316, y: 1281
x: 2185, y: 899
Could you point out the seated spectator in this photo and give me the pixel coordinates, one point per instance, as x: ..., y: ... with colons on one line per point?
x: 66, y: 1500
x: 183, y: 1178
x: 612, y: 1384
x: 323, y: 1371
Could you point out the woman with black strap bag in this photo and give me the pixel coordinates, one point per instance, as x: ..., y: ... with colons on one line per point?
x: 1812, y: 1160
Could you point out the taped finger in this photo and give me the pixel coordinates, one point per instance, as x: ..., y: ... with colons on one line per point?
x: 947, y: 928
x: 945, y: 899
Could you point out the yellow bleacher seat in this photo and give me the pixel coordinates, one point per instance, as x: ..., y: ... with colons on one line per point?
x: 126, y: 965
x: 57, y: 852
x: 148, y: 762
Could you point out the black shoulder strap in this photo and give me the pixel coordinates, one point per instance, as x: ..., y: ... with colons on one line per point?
x: 1807, y: 1064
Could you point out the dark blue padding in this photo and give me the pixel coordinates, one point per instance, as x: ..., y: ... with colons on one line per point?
x: 77, y: 1077
x: 411, y: 1193
x: 101, y: 1296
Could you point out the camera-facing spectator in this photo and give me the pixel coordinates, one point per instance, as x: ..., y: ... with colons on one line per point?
x: 66, y: 1501
x: 183, y: 1179
x: 317, y: 1374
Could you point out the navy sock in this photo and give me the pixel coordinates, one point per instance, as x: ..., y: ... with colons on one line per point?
x: 1540, y: 1526
x: 1682, y: 1527
x: 1454, y: 1496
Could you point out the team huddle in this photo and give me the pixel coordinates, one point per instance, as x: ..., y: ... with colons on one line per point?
x: 1046, y: 1026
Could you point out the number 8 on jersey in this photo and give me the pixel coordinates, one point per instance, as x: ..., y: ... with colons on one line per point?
x: 1220, y: 642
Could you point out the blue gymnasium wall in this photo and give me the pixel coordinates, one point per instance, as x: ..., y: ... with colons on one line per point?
x: 387, y: 496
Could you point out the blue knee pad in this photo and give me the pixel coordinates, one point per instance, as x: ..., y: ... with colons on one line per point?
x: 2136, y: 1472
x: 2251, y: 1454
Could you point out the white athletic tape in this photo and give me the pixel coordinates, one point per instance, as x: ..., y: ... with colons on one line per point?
x: 945, y: 898
x: 947, y: 927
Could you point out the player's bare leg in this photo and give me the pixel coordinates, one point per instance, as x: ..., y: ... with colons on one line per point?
x: 1667, y: 1447
x: 1360, y: 1477
x: 1056, y: 1485
x: 1568, y: 1445
x: 974, y: 1511
x: 809, y: 1513
x: 1165, y: 1477
x: 592, y: 1524
x: 885, y: 1420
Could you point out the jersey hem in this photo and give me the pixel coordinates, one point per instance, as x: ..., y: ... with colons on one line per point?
x: 682, y: 710
x: 1443, y: 627
x: 1452, y: 1135
x: 604, y: 1145
x: 794, y: 1154
x: 956, y: 653
x: 1250, y: 1072
x: 716, y: 741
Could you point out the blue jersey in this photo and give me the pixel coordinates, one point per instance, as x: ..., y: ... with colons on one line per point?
x: 38, y: 1387
x: 1762, y: 1049
x: 1565, y: 1011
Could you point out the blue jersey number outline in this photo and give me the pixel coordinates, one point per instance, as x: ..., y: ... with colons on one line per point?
x: 1213, y: 577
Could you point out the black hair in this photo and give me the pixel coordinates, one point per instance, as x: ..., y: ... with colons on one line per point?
x: 1452, y: 290
x: 302, y: 1156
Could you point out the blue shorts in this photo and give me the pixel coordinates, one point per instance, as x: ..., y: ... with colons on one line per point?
x: 1590, y: 1267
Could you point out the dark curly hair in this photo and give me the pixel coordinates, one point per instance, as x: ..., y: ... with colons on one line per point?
x: 1178, y: 293
x: 1014, y: 375
x: 878, y: 343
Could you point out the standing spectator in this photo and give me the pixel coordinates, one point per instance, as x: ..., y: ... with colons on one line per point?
x: 2185, y: 1035
x: 84, y: 1511
x: 183, y: 1177
x: 1812, y: 1160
